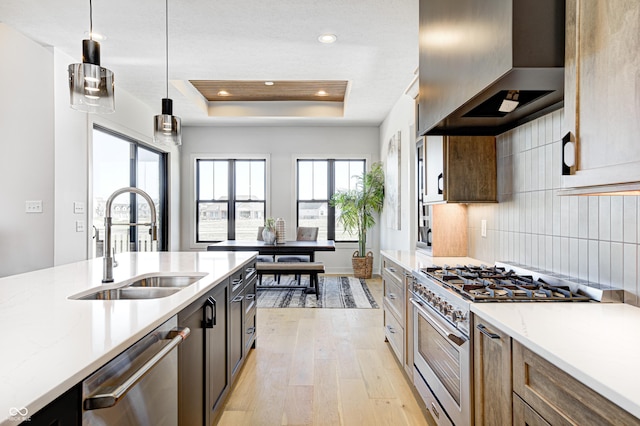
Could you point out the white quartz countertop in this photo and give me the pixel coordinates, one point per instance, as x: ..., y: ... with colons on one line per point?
x: 413, y: 259
x: 597, y: 343
x: 50, y: 342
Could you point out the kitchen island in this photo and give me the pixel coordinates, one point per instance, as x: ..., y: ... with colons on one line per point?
x: 51, y: 342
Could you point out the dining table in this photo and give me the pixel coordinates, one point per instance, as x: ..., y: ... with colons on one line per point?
x: 308, y: 248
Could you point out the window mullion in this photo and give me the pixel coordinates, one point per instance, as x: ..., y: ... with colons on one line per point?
x: 331, y: 211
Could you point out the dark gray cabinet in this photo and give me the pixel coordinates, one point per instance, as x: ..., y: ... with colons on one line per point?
x: 236, y: 324
x: 64, y: 411
x: 250, y: 306
x: 202, y: 374
x: 222, y: 324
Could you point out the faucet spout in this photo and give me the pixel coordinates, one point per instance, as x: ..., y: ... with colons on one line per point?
x: 108, y: 261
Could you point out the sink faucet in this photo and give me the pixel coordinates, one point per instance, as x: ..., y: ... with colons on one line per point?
x: 107, y: 269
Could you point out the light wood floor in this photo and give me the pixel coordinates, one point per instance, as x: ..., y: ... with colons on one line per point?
x: 322, y: 367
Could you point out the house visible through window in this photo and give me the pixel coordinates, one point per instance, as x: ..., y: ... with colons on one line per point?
x: 118, y: 162
x: 318, y: 180
x: 230, y: 199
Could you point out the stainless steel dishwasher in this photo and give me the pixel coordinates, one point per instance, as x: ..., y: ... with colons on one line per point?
x: 139, y: 386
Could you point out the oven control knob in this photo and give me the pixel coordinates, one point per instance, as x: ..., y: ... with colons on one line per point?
x: 445, y: 308
x: 458, y: 316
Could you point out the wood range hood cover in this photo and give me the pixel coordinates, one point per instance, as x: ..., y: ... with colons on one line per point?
x: 473, y: 56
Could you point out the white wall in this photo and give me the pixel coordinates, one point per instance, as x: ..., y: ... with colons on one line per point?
x: 46, y: 151
x: 401, y: 118
x: 26, y: 166
x: 282, y: 145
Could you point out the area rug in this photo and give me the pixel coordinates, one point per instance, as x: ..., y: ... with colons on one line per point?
x: 335, y: 292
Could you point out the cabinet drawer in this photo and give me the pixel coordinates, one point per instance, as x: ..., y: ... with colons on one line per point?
x: 250, y: 296
x: 558, y: 397
x: 394, y: 332
x: 394, y: 298
x: 392, y: 270
x: 249, y: 330
x: 523, y: 415
x: 236, y: 281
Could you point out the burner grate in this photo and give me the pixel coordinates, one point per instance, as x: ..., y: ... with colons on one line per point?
x: 490, y: 283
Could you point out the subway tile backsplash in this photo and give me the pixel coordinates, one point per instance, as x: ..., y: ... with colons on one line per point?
x: 593, y: 238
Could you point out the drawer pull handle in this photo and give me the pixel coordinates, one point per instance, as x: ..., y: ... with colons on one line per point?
x: 486, y: 332
x: 250, y: 296
x: 391, y: 330
x: 436, y: 414
x: 237, y: 299
x: 391, y: 296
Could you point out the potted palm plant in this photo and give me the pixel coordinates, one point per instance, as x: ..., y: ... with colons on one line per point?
x: 357, y: 208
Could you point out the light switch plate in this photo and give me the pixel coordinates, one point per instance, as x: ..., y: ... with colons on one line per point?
x: 483, y: 228
x: 79, y: 225
x: 33, y: 206
x: 78, y: 207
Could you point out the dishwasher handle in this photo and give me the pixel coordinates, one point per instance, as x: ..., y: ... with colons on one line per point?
x: 106, y: 400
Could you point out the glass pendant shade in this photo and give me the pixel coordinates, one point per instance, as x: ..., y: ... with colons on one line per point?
x: 167, y: 126
x: 91, y: 87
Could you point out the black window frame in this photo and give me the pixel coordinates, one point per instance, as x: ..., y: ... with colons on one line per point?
x: 231, y: 201
x: 163, y: 179
x: 331, y: 211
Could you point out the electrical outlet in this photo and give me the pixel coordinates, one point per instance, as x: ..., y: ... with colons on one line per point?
x: 483, y: 228
x: 78, y: 207
x: 33, y: 206
x: 79, y: 225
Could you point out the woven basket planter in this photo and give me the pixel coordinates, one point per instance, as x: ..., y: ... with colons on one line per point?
x: 362, y: 266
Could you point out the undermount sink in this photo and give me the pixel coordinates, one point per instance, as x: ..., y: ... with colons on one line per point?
x: 129, y: 293
x: 151, y: 286
x: 164, y: 281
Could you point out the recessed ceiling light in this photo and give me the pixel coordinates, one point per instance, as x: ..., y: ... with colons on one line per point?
x: 327, y: 38
x: 223, y: 93
x: 268, y: 83
x: 321, y: 93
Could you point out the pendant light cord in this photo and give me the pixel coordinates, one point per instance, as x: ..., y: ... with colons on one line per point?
x: 90, y: 21
x: 167, y: 41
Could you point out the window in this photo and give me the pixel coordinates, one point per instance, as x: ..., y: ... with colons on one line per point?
x: 119, y: 161
x: 318, y: 180
x: 230, y: 198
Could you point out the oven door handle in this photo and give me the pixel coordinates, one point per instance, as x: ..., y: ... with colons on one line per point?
x: 457, y: 339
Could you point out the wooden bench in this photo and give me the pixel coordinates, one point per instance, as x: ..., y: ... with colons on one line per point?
x: 292, y: 268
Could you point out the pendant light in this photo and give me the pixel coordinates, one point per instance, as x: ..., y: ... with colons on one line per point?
x: 90, y: 85
x: 166, y: 125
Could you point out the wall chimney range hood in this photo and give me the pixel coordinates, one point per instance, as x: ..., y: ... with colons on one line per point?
x: 489, y: 66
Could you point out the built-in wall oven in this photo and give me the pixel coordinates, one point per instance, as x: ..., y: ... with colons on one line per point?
x: 441, y: 300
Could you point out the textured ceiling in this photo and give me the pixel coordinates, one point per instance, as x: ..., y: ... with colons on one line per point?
x: 376, y: 51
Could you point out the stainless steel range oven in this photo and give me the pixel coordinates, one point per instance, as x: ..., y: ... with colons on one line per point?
x: 441, y: 298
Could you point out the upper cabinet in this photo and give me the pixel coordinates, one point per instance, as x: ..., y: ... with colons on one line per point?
x: 459, y: 169
x: 602, y: 105
x: 474, y: 56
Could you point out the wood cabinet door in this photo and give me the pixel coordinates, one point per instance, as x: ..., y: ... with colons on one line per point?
x: 558, y: 397
x: 602, y: 101
x: 492, y: 374
x: 523, y: 415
